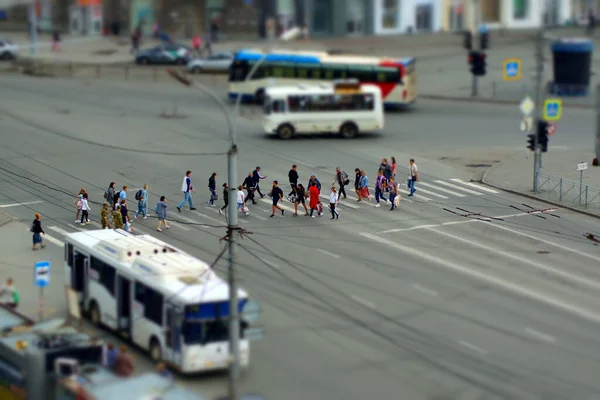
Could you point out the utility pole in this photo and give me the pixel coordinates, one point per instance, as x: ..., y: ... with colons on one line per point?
x: 539, y: 96
x: 234, y: 317
x: 232, y: 232
x: 476, y: 44
x: 32, y: 27
x: 597, y: 159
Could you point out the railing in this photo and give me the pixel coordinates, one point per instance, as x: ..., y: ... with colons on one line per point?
x: 567, y: 190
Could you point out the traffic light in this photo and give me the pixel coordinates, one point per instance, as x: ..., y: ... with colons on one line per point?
x: 484, y: 41
x: 477, y: 62
x: 468, y: 40
x: 542, y: 132
x: 531, y: 141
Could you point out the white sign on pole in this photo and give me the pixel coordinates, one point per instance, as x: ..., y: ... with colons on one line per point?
x: 527, y: 106
x: 582, y: 166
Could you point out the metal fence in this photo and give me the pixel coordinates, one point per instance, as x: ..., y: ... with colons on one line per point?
x: 560, y: 189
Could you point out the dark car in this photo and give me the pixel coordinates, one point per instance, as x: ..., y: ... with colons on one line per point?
x: 165, y: 54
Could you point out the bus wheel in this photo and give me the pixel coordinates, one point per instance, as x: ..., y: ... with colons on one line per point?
x: 285, y: 131
x: 95, y: 315
x: 259, y: 97
x: 155, y: 350
x: 349, y: 130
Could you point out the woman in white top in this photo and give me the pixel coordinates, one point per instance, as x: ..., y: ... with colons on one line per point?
x: 85, y: 208
x: 333, y: 199
x: 240, y: 198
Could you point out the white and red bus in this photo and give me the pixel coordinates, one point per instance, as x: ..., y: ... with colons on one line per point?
x: 395, y: 78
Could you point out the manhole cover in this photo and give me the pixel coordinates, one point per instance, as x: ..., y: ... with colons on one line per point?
x: 478, y: 165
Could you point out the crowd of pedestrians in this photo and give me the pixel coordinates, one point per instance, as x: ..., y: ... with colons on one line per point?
x: 115, y: 210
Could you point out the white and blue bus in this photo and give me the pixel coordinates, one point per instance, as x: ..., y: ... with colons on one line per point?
x: 159, y: 297
x: 395, y: 78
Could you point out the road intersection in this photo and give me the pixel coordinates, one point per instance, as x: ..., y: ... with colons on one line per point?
x: 464, y: 291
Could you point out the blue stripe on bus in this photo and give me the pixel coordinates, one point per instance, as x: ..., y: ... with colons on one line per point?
x: 213, y: 310
x: 293, y: 58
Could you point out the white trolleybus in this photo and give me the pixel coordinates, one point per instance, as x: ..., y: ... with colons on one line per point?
x: 158, y: 297
x: 396, y: 78
x: 347, y: 108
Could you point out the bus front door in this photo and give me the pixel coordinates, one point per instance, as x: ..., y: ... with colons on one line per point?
x: 124, y: 307
x: 79, y: 276
x: 173, y: 323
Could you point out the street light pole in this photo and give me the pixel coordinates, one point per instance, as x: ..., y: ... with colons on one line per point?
x: 539, y: 96
x: 32, y: 28
x: 476, y: 18
x: 232, y: 231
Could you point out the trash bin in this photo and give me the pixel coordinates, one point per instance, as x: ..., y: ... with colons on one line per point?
x: 572, y: 62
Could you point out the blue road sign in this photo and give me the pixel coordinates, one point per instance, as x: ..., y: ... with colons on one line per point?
x: 511, y: 69
x: 552, y: 109
x: 42, y: 273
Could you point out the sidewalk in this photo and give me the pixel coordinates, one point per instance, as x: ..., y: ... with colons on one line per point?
x: 559, y: 179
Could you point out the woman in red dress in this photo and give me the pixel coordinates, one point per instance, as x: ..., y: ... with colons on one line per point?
x: 313, y: 193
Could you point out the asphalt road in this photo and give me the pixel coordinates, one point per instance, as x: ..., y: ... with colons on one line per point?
x: 420, y: 303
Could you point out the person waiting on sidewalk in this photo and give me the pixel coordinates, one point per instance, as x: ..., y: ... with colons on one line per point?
x: 36, y: 228
x: 9, y: 295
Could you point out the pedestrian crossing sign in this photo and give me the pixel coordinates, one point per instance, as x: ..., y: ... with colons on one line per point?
x: 552, y: 109
x: 512, y: 69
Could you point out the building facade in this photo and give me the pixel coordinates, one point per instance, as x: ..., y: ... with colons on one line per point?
x: 406, y: 16
x: 458, y: 15
x: 339, y: 17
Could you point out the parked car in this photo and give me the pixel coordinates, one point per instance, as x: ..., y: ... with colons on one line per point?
x: 8, y: 50
x: 164, y: 54
x: 218, y: 62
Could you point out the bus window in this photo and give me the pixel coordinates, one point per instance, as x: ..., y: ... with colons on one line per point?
x: 302, y: 72
x: 152, y: 302
x: 104, y: 273
x: 216, y: 331
x: 276, y: 72
x: 362, y: 73
x: 321, y: 103
x: 298, y: 103
x: 259, y: 72
x: 387, y: 75
x: 267, y: 108
x: 278, y: 106
x: 288, y: 71
x: 315, y: 73
x: 238, y: 71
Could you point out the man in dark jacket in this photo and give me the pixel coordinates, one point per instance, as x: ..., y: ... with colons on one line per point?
x: 249, y: 185
x: 293, y: 178
x: 225, y: 197
x: 257, y: 177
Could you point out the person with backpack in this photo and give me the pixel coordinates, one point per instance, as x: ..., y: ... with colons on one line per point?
x: 36, y: 229
x: 142, y: 198
x: 9, y: 295
x: 109, y: 195
x: 341, y: 177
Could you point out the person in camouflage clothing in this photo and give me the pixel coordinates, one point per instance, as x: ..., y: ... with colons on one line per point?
x: 104, y: 216
x: 117, y: 218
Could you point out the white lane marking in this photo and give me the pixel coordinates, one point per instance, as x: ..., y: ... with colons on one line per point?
x: 474, y: 185
x: 208, y: 217
x: 458, y: 188
x: 178, y: 225
x: 363, y: 302
x: 59, y: 230
x: 20, y: 204
x: 560, y: 246
x: 472, y: 347
x: 55, y: 241
x: 341, y: 202
x: 540, y: 335
x: 569, y: 276
x: 417, y: 196
x: 430, y: 193
x: 490, y: 279
x: 429, y: 185
x: 423, y: 289
x: 280, y: 204
x: 272, y: 264
x: 468, y: 221
x: 328, y: 253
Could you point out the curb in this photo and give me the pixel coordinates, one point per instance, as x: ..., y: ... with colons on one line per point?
x: 491, y: 101
x: 532, y: 196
